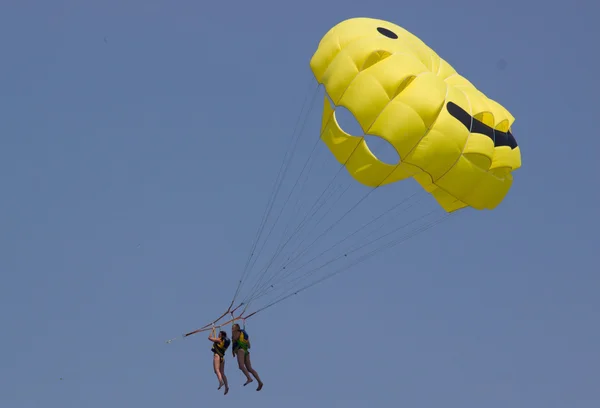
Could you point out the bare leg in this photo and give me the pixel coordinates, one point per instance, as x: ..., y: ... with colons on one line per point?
x: 242, y: 366
x: 216, y: 366
x: 253, y: 371
x: 224, y: 377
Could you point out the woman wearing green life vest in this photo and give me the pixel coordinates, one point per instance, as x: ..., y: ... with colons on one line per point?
x: 220, y: 346
x: 240, y: 348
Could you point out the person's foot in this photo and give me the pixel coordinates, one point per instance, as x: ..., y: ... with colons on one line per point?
x: 248, y: 381
x: 260, y: 385
x: 220, y: 386
x: 226, y: 390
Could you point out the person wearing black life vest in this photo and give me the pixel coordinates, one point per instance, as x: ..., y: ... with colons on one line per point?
x: 220, y: 346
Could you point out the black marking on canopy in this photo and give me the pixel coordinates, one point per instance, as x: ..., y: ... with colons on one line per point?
x: 387, y: 33
x: 475, y: 126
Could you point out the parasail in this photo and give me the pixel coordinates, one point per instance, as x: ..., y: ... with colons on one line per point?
x: 454, y: 141
x: 450, y: 137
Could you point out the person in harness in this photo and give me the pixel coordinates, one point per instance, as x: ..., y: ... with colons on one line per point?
x: 219, y: 347
x: 240, y: 348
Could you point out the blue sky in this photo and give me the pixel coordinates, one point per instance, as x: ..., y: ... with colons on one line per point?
x: 139, y: 144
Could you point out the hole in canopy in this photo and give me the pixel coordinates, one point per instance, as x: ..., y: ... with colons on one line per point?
x: 382, y: 149
x: 347, y: 121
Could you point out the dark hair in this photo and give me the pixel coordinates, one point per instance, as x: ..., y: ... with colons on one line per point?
x: 223, y: 333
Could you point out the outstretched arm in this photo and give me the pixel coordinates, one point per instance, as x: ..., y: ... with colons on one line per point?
x: 212, y: 337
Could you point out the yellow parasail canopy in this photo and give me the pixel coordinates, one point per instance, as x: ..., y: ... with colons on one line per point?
x: 450, y: 137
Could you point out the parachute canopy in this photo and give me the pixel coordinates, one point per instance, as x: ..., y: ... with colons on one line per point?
x: 452, y: 139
